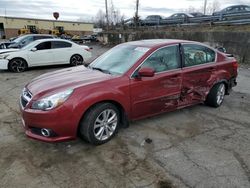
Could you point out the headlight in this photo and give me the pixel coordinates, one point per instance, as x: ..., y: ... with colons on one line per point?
x: 52, y: 101
x: 4, y: 56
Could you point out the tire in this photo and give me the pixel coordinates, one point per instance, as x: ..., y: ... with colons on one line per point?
x: 216, y: 95
x: 76, y: 60
x: 94, y: 127
x: 17, y: 65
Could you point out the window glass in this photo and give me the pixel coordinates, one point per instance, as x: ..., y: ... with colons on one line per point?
x: 26, y: 41
x: 44, y: 46
x: 164, y: 59
x: 247, y: 8
x: 61, y: 44
x: 119, y: 59
x: 197, y: 54
x: 42, y: 37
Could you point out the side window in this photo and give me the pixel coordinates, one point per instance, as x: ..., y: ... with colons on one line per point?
x: 61, y: 44
x: 44, y: 46
x: 197, y: 54
x: 164, y: 59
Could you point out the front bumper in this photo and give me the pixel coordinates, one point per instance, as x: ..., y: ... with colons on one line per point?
x: 4, y: 64
x: 59, y: 120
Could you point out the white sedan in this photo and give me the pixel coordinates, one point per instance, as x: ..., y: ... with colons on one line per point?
x: 44, y: 52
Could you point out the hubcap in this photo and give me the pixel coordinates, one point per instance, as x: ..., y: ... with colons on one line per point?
x: 220, y: 94
x: 105, y: 124
x: 18, y: 66
x: 76, y: 60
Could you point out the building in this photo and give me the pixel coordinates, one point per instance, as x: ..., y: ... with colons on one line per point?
x: 11, y: 26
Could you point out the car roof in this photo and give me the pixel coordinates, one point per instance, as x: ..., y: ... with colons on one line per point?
x: 52, y: 39
x: 152, y: 43
x: 36, y: 35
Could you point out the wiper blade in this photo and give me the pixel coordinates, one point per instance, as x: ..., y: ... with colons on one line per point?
x: 101, y: 70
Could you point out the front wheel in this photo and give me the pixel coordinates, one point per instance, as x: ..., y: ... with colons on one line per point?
x: 17, y: 65
x: 76, y: 60
x: 216, y: 95
x: 100, y: 123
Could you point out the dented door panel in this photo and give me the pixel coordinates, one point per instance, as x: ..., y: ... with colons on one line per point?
x: 156, y: 94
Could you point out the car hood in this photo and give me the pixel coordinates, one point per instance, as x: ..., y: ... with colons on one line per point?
x: 3, y: 51
x: 69, y: 78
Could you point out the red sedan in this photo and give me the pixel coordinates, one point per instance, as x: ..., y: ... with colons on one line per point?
x: 131, y: 81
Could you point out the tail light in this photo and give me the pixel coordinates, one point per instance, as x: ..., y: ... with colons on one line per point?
x: 235, y: 65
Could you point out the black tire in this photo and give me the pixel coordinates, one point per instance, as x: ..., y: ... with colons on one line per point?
x: 76, y: 60
x: 17, y: 65
x: 93, y: 124
x: 216, y: 95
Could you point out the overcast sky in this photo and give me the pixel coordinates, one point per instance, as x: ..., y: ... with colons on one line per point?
x: 87, y: 9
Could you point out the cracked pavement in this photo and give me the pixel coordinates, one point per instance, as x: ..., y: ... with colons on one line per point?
x: 197, y: 146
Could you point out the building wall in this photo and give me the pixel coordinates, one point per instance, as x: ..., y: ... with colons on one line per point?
x: 12, y: 25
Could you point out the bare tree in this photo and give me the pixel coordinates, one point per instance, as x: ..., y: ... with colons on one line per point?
x: 212, y: 7
x: 100, y: 19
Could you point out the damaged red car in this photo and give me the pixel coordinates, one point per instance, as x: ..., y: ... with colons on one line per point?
x: 131, y: 81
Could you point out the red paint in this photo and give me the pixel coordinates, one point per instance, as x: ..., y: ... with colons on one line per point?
x: 139, y: 97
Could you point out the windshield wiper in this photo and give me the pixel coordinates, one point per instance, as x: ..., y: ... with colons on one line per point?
x: 101, y: 70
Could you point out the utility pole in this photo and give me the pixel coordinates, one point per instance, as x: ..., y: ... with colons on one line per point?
x: 136, y: 13
x: 107, y: 16
x: 205, y: 6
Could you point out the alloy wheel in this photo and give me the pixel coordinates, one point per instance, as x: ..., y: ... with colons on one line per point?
x: 220, y: 94
x: 105, y: 124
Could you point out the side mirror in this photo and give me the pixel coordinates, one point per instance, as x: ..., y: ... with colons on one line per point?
x: 146, y: 72
x: 33, y: 49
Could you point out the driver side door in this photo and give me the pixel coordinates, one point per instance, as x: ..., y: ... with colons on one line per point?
x: 160, y: 93
x: 43, y: 55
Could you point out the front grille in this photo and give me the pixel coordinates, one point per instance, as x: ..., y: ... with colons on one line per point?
x: 25, y: 97
x: 23, y: 102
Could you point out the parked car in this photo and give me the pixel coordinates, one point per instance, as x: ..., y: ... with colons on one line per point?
x: 131, y: 81
x: 152, y: 20
x: 178, y: 18
x: 233, y: 10
x: 5, y: 45
x: 44, y: 52
x: 197, y: 14
x: 26, y: 39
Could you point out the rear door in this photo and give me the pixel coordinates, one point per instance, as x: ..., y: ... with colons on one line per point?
x: 42, y: 56
x: 199, y: 69
x: 160, y: 93
x: 62, y: 51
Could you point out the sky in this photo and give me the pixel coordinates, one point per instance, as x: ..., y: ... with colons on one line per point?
x: 86, y: 10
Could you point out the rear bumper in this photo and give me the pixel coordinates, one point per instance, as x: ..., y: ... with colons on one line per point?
x: 4, y: 64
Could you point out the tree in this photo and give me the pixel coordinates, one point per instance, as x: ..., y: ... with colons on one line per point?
x: 100, y: 19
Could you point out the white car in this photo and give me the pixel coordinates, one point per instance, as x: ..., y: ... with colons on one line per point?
x: 44, y: 52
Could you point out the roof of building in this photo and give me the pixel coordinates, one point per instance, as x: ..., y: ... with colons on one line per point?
x: 36, y: 19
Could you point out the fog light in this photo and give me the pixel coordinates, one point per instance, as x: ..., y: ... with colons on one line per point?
x: 46, y: 132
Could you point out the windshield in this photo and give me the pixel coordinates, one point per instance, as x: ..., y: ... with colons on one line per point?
x: 28, y: 46
x: 118, y: 60
x: 19, y: 39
